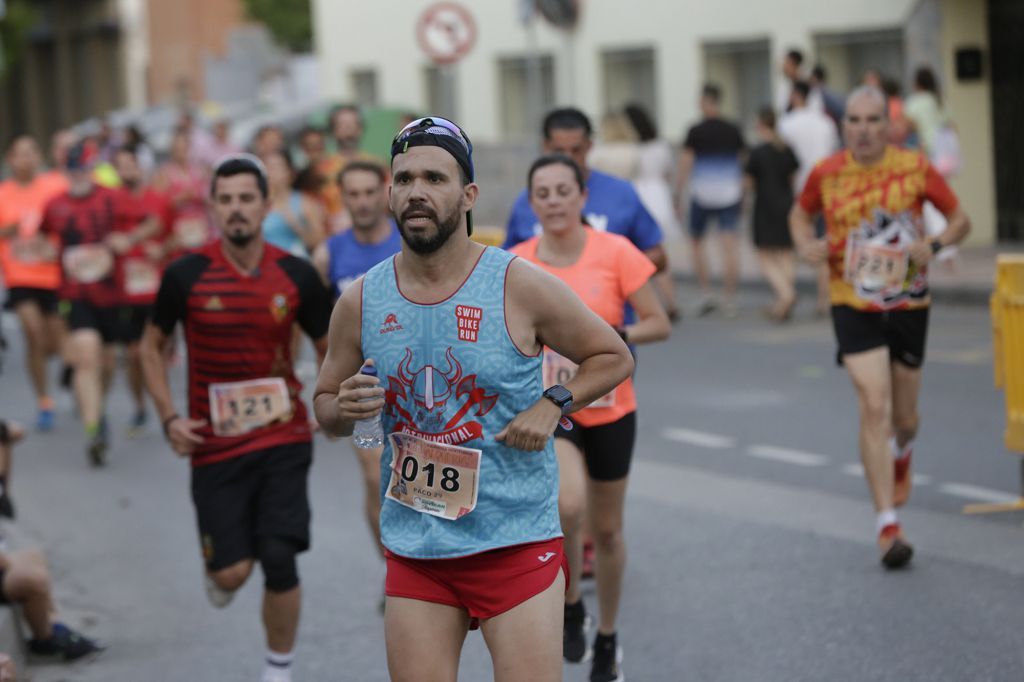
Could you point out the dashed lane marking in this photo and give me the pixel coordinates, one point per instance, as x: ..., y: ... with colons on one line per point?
x: 857, y: 471
x: 699, y: 438
x: 977, y: 493
x: 787, y: 455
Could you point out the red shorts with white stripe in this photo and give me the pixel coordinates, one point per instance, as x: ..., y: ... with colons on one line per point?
x: 486, y: 584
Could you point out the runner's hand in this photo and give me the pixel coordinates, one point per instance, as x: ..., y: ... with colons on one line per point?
x: 814, y: 251
x: 359, y: 397
x: 182, y: 437
x: 921, y: 253
x: 532, y: 427
x: 119, y: 243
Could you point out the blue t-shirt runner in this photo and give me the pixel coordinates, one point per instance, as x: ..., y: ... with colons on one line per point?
x: 347, y: 259
x: 612, y: 206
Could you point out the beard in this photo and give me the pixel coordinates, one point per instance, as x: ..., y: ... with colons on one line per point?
x: 241, y: 239
x: 426, y: 245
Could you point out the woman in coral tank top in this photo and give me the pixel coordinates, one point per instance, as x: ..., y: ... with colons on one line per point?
x: 606, y: 271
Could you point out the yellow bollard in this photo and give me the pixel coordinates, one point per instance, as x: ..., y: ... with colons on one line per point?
x: 1007, y: 309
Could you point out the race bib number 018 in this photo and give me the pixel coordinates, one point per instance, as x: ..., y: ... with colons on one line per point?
x: 433, y: 478
x: 876, y: 271
x: 240, y: 407
x: 88, y: 263
x: 559, y: 370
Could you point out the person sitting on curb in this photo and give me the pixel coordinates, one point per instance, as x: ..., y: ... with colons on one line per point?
x: 10, y: 433
x: 25, y: 581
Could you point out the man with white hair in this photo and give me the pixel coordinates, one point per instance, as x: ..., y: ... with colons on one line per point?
x: 871, y: 195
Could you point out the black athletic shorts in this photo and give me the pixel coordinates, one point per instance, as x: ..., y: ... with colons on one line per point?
x: 133, y: 322
x: 258, y: 494
x: 903, y: 332
x: 46, y: 299
x: 85, y: 315
x: 607, y: 449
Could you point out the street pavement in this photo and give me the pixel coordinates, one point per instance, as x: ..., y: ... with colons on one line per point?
x: 751, y: 539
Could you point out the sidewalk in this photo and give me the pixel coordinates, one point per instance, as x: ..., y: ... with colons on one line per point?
x: 966, y: 279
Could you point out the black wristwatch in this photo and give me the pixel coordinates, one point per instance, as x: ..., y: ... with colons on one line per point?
x: 560, y: 396
x: 936, y: 246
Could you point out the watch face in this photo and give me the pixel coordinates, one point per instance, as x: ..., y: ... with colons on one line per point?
x: 560, y: 394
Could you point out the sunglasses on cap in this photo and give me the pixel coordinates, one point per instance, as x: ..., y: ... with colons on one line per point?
x: 435, y: 125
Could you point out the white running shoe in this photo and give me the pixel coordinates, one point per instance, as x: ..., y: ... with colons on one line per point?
x: 218, y: 597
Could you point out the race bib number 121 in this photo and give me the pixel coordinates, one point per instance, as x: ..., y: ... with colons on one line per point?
x: 239, y: 407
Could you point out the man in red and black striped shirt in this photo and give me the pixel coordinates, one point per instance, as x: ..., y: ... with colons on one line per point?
x: 247, y: 430
x: 81, y: 223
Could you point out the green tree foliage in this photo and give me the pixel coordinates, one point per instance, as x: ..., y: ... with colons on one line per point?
x: 290, y: 21
x: 14, y: 28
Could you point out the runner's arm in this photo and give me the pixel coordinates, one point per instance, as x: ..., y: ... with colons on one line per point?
x: 321, y: 261
x: 657, y: 255
x: 652, y: 323
x: 340, y: 388
x: 801, y: 228
x: 154, y: 370
x: 686, y: 158
x: 959, y: 225
x: 541, y: 310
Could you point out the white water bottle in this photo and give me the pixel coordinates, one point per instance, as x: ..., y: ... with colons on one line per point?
x: 368, y: 433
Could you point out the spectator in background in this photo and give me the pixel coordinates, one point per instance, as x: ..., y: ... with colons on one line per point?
x: 294, y: 222
x: 832, y: 102
x: 899, y: 127
x: 617, y: 151
x: 812, y: 136
x: 346, y: 127
x: 653, y: 182
x: 923, y: 110
x: 710, y: 187
x: 134, y: 140
x: 313, y: 145
x: 220, y: 144
x: 791, y: 64
x: 60, y: 144
x: 185, y: 183
x: 25, y: 581
x: 931, y: 131
x: 10, y: 434
x: 199, y: 140
x: 769, y: 175
x: 268, y: 140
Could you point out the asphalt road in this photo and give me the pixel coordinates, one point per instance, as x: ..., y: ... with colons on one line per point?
x: 751, y: 537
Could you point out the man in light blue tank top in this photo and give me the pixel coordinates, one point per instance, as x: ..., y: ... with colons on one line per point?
x: 469, y: 516
x: 346, y: 257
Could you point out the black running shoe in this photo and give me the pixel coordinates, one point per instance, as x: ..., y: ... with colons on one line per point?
x: 574, y: 635
x: 96, y: 451
x: 66, y: 374
x: 65, y: 643
x: 607, y: 666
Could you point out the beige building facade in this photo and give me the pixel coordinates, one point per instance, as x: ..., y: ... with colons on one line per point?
x: 659, y: 52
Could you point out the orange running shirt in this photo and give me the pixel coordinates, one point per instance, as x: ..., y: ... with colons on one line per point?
x: 872, y: 215
x: 24, y: 205
x: 607, y: 273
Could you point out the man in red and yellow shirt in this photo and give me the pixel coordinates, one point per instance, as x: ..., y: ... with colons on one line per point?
x: 871, y: 195
x: 31, y: 273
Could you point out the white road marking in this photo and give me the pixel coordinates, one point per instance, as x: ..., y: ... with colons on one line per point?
x: 698, y: 438
x: 977, y: 493
x: 857, y: 471
x: 787, y: 455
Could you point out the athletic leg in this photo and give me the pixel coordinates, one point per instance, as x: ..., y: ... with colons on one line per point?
x: 33, y: 326
x: 870, y: 374
x: 425, y: 654
x: 605, y: 505
x: 524, y: 640
x: 369, y: 463
x: 572, y: 488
